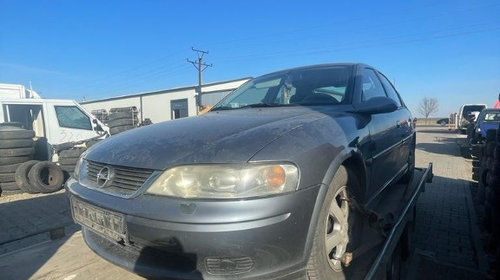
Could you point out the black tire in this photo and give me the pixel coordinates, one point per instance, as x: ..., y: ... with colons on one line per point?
x: 123, y: 109
x: 9, y: 186
x: 476, y: 177
x: 6, y: 177
x: 119, y: 129
x: 11, y: 125
x: 72, y: 153
x: 16, y: 143
x: 496, y: 152
x: 493, y: 180
x: 46, y: 176
x: 7, y: 192
x: 14, y: 152
x: 42, y: 149
x: 9, y: 168
x: 320, y: 265
x: 21, y: 177
x: 14, y: 160
x: 92, y: 143
x: 68, y: 161
x: 490, y: 149
x: 7, y: 133
x: 122, y: 116
x: 121, y: 122
x: 68, y: 168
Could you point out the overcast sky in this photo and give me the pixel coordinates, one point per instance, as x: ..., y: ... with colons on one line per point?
x: 96, y: 49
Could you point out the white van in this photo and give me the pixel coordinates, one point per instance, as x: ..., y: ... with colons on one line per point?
x: 467, y: 111
x: 57, y: 120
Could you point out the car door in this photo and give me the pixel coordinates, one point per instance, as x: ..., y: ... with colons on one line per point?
x: 385, y: 160
x: 404, y: 129
x: 69, y: 123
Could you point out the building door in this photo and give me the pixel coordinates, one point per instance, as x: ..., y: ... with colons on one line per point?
x: 179, y: 108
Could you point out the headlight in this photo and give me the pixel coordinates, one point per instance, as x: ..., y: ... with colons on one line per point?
x: 226, y: 181
x: 78, y: 166
x: 478, y: 129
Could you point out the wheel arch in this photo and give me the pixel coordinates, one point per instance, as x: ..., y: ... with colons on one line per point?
x: 353, y: 161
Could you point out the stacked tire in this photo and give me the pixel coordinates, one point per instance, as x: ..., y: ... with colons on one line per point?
x: 487, y: 164
x: 493, y: 194
x: 488, y: 195
x: 39, y: 177
x: 122, y: 119
x: 16, y: 147
x: 69, y: 158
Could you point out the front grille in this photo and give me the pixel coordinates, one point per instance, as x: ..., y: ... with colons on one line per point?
x: 228, y: 265
x: 126, y: 180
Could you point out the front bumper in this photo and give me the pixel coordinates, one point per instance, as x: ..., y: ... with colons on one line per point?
x: 188, y: 239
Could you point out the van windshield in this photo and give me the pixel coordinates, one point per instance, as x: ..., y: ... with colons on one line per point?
x: 473, y: 108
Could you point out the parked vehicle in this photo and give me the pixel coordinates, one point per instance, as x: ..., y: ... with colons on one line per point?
x: 16, y: 91
x: 55, y: 120
x: 35, y: 132
x: 271, y: 181
x: 487, y: 119
x: 467, y: 114
x: 443, y: 122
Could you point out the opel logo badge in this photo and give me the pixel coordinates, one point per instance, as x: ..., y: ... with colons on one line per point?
x: 104, y: 177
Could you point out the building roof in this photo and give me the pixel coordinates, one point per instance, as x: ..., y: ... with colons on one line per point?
x: 165, y: 91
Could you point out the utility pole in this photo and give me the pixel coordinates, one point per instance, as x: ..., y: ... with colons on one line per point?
x: 200, y: 66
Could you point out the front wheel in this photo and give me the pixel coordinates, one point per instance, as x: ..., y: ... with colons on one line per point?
x: 334, y: 235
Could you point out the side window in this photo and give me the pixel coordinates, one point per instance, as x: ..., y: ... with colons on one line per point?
x: 179, y: 108
x: 72, y: 117
x: 371, y: 85
x: 30, y: 116
x: 389, y: 89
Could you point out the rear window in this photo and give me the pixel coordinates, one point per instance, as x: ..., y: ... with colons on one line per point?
x: 492, y: 117
x: 473, y: 108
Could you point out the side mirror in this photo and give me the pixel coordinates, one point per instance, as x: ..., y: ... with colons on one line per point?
x: 97, y: 127
x: 376, y: 105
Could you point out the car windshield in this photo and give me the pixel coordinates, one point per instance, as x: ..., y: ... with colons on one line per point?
x: 315, y: 86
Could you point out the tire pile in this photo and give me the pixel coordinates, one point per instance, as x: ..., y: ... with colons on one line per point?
x: 122, y: 119
x: 39, y: 177
x: 69, y: 158
x: 486, y: 170
x: 16, y: 147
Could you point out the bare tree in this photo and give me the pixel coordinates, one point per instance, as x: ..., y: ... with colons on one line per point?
x: 428, y: 106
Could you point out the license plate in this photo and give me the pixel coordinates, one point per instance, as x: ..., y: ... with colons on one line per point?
x: 106, y: 223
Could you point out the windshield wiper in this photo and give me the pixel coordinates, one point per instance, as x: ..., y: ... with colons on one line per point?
x: 222, y: 108
x: 256, y: 105
x: 260, y: 105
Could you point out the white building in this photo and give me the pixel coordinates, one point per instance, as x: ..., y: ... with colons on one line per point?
x: 167, y: 104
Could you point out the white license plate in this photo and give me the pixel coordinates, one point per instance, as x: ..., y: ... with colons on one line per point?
x: 106, y: 223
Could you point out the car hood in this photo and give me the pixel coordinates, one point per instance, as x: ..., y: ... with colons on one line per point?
x: 216, y: 137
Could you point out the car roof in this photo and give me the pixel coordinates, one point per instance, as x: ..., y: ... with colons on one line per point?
x: 317, y: 66
x: 489, y: 110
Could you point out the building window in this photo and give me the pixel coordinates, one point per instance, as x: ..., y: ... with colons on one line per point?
x: 179, y: 108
